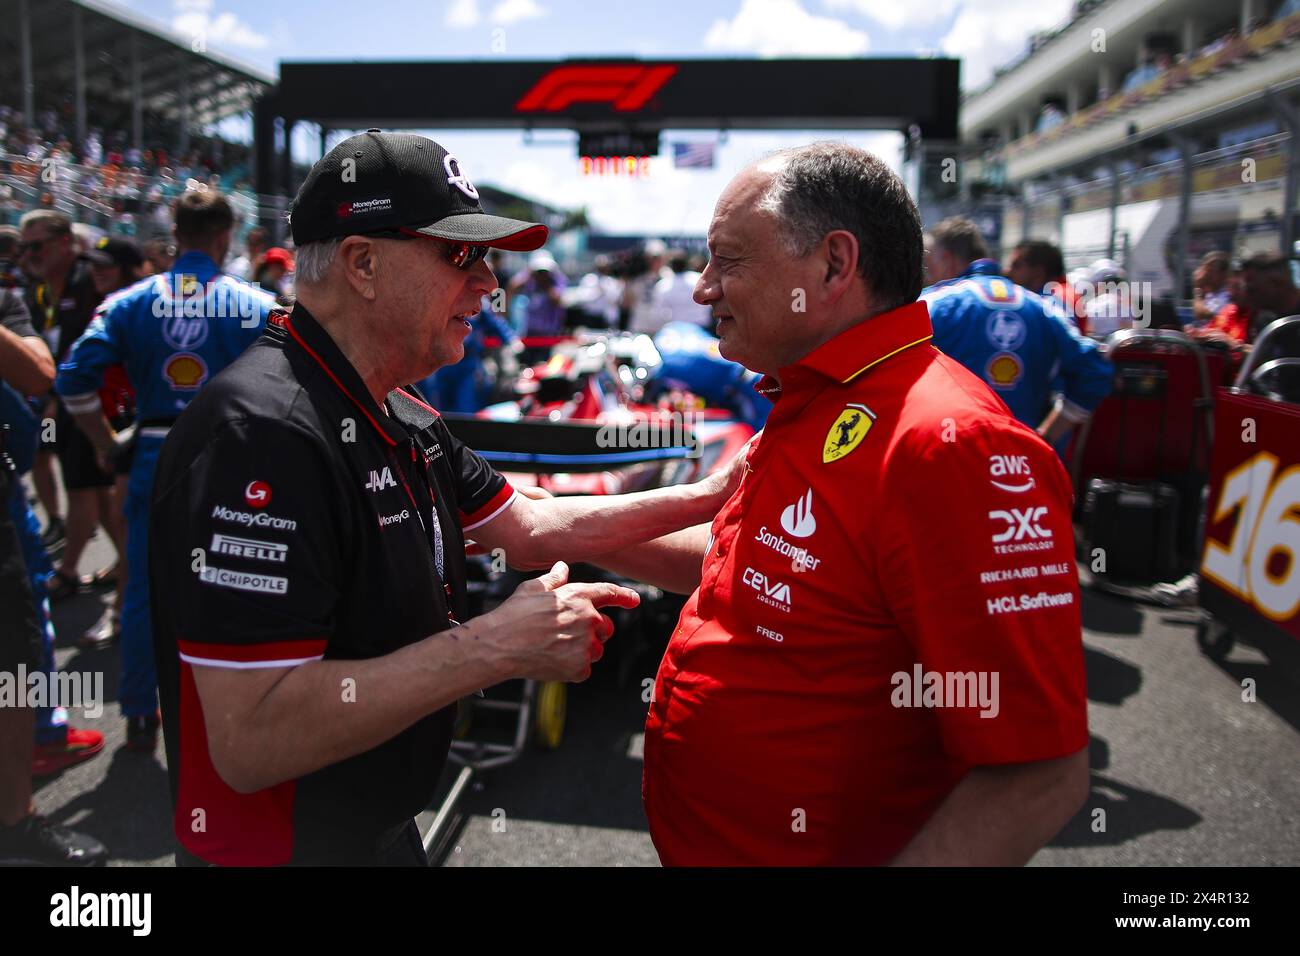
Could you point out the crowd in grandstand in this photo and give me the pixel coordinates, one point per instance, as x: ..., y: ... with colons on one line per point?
x: 103, y: 180
x: 1175, y: 67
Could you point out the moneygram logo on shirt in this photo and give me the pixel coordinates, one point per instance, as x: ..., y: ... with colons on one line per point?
x: 798, y: 518
x: 257, y: 494
x: 250, y: 520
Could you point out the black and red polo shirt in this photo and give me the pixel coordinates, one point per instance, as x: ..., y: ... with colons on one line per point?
x: 293, y: 519
x: 888, y: 600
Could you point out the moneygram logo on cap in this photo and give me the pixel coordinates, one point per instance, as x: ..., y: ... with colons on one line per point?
x: 378, y: 181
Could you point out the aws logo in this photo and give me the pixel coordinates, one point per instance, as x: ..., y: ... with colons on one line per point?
x: 1010, y: 466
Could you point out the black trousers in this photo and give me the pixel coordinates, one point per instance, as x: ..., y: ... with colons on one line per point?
x: 401, y: 846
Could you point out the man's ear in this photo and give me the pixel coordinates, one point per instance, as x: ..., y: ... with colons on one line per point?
x: 841, y: 250
x: 358, y: 256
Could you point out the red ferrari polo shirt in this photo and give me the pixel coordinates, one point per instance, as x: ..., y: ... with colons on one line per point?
x: 889, y: 599
x: 1234, y: 321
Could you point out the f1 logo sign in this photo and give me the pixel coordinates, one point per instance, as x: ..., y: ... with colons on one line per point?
x: 1021, y: 524
x: 625, y: 88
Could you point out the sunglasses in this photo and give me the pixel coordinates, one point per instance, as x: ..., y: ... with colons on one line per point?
x: 34, y: 245
x: 462, y: 255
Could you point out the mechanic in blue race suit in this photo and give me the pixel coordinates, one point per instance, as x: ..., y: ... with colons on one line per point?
x: 691, y: 360
x: 465, y: 386
x: 173, y: 332
x: 1021, y: 344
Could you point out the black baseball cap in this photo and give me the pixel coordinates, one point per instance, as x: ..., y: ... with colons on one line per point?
x: 116, y: 251
x: 377, y: 181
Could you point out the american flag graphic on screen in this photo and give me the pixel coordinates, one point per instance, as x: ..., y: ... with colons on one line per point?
x: 697, y: 155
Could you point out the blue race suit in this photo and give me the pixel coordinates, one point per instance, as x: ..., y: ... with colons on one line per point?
x: 1019, y: 343
x: 172, y: 332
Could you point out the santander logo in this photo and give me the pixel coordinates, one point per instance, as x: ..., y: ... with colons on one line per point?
x: 797, y: 519
x: 257, y: 494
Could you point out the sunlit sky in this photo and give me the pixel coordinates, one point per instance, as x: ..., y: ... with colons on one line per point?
x: 982, y: 33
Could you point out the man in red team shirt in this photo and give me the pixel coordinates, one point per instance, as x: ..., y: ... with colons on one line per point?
x: 1262, y: 290
x: 881, y: 659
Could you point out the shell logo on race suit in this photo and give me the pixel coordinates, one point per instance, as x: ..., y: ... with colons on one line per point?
x: 185, y: 370
x: 1004, y: 370
x: 847, y: 432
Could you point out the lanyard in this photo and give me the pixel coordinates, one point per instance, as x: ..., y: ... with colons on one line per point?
x: 435, y: 539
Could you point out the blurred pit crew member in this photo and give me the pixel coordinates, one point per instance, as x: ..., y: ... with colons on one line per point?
x: 1262, y: 290
x: 172, y: 334
x: 1038, y: 266
x: 1210, y: 289
x: 639, y: 290
x: 1021, y: 344
x: 115, y: 263
x: 62, y: 300
x: 1113, y: 304
x: 26, y: 837
x: 542, y: 284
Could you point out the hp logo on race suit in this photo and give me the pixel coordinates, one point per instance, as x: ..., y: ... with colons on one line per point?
x: 1006, y: 331
x: 184, y: 333
x: 797, y: 519
x: 1021, y: 524
x: 458, y: 178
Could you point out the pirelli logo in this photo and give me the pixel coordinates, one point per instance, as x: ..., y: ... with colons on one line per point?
x: 248, y: 548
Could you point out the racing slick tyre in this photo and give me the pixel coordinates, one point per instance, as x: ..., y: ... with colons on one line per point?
x: 549, y: 720
x: 1214, y: 640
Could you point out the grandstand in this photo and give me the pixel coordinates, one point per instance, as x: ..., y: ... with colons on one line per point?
x: 1150, y: 131
x: 106, y: 115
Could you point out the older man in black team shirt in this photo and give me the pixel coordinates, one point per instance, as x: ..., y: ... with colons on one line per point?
x: 307, y: 548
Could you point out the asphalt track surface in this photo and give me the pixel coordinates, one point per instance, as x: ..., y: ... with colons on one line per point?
x: 1188, y: 773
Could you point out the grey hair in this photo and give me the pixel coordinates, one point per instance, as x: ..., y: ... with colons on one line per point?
x: 825, y: 187
x: 311, y: 261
